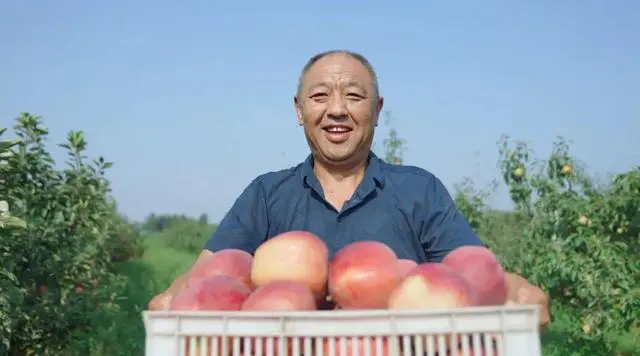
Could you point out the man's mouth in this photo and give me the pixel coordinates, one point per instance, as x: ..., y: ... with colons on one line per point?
x: 337, y: 129
x: 337, y: 133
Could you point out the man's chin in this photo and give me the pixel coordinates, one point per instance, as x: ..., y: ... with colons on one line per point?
x: 339, y: 158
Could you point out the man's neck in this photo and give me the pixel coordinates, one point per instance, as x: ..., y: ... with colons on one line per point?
x: 344, y: 176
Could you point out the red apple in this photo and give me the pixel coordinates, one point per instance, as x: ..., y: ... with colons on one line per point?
x: 219, y: 292
x: 279, y: 296
x: 363, y: 274
x: 433, y: 286
x: 406, y: 265
x: 230, y: 262
x: 480, y: 267
x: 296, y: 256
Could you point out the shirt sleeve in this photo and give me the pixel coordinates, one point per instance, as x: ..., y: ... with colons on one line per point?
x: 444, y: 228
x: 245, y: 226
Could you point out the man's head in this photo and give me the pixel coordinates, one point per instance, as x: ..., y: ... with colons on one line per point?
x: 338, y: 104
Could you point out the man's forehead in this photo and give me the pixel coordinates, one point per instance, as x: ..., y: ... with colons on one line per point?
x: 339, y: 66
x: 338, y: 63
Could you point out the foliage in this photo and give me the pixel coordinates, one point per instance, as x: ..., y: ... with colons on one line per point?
x: 8, y: 292
x: 57, y: 272
x: 471, y: 202
x: 125, y: 241
x: 393, y: 146
x: 120, y: 333
x: 159, y: 222
x: 187, y: 235
x: 582, y: 240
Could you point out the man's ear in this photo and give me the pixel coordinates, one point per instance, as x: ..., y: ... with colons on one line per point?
x: 296, y: 103
x: 379, y: 106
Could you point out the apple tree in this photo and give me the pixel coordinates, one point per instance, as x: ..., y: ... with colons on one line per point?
x: 57, y: 274
x: 581, y: 241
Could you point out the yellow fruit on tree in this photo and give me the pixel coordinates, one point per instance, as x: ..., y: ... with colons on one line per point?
x: 566, y: 169
x: 518, y: 172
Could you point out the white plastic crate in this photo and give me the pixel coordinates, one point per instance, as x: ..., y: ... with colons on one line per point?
x: 482, y: 331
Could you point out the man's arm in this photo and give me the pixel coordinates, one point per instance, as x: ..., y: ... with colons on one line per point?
x: 244, y: 227
x: 523, y: 292
x: 442, y: 227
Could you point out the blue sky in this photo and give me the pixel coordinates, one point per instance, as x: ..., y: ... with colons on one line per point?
x: 193, y: 99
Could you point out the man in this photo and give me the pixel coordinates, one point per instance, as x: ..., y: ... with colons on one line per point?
x: 343, y: 192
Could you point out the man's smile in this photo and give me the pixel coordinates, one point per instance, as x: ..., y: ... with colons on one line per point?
x: 337, y: 133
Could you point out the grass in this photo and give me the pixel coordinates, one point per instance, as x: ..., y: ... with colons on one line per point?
x: 123, y: 333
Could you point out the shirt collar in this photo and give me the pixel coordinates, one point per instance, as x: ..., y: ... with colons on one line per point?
x: 373, y: 172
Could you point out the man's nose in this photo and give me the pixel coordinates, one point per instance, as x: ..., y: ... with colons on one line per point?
x: 337, y: 109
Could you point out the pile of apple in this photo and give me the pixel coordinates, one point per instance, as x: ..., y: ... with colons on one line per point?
x: 293, y: 272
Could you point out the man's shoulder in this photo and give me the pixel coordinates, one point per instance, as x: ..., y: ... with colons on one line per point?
x: 414, y: 185
x: 274, y: 180
x: 407, y: 174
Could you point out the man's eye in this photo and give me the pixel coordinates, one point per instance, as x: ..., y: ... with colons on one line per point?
x: 354, y: 96
x: 319, y: 97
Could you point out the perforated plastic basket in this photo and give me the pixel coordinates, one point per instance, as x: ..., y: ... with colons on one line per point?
x: 503, y: 331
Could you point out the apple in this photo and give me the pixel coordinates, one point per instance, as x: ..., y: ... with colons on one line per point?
x: 279, y: 296
x: 518, y: 172
x: 296, y: 256
x: 363, y: 274
x: 431, y: 286
x: 406, y: 265
x: 220, y: 292
x: 232, y: 262
x: 481, y: 268
x: 43, y: 289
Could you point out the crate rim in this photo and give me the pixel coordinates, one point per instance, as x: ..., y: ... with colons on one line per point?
x: 344, y: 314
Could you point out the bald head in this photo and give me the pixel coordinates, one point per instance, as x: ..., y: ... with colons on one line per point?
x: 358, y: 57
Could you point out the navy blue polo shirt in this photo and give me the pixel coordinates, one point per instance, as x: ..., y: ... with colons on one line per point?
x: 405, y: 207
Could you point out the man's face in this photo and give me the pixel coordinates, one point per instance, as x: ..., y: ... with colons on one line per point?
x: 338, y: 108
